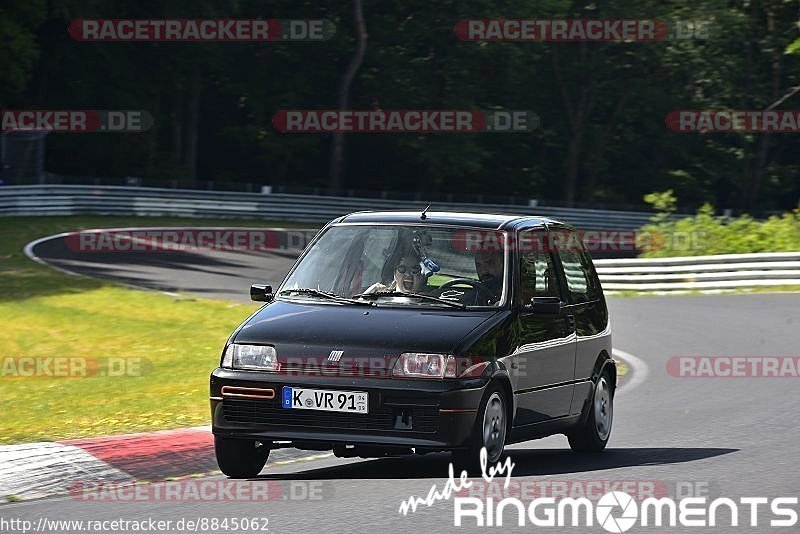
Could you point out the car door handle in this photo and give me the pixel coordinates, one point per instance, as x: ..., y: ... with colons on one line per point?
x: 571, y: 323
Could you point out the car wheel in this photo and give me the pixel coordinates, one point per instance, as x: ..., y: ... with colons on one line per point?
x: 594, y: 434
x: 240, y: 458
x: 490, y: 432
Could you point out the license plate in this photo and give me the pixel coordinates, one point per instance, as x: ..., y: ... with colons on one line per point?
x: 325, y: 400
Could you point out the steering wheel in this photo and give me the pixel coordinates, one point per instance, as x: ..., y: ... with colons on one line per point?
x: 480, y: 288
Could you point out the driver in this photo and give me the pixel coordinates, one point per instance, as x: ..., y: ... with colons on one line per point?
x: 408, y: 278
x: 489, y: 266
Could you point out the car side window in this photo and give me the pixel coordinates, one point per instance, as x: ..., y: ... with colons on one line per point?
x: 579, y: 273
x: 536, y: 270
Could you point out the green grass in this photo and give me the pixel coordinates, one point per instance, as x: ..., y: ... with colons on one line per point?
x: 437, y: 280
x: 45, y: 313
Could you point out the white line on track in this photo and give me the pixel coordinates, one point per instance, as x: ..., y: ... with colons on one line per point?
x: 28, y: 250
x: 639, y: 369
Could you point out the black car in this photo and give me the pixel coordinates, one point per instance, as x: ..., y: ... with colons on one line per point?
x: 408, y: 332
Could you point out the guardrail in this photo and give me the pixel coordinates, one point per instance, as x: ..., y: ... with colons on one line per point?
x: 693, y: 273
x: 700, y: 273
x: 117, y: 200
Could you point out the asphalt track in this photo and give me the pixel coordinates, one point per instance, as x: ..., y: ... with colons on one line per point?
x: 722, y: 437
x: 223, y: 274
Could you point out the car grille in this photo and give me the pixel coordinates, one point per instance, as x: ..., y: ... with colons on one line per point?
x: 425, y: 419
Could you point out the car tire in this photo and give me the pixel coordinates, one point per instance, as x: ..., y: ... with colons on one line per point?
x: 490, y: 431
x: 593, y: 435
x: 240, y: 458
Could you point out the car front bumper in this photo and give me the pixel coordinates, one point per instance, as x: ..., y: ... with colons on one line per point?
x: 424, y: 413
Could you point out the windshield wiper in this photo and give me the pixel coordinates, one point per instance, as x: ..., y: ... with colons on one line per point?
x: 324, y: 294
x: 431, y: 298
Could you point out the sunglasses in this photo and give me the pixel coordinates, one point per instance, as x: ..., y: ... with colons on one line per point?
x: 402, y: 269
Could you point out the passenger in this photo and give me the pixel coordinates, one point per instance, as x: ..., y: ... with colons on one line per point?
x: 408, y: 278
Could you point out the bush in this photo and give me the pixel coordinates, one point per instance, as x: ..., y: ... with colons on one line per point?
x: 707, y: 233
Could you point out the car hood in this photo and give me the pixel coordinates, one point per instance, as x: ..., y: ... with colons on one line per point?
x: 312, y: 330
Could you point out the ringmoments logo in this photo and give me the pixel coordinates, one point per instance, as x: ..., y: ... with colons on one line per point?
x: 615, y: 511
x: 616, y: 500
x: 618, y: 511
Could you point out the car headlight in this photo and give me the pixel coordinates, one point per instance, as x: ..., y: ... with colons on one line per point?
x: 256, y: 357
x: 419, y: 365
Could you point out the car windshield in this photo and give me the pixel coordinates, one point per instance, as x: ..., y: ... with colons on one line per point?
x: 401, y: 265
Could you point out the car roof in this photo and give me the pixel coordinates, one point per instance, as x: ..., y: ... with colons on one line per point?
x: 493, y: 221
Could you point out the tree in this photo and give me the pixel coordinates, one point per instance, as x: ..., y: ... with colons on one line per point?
x: 19, y: 49
x: 343, y: 93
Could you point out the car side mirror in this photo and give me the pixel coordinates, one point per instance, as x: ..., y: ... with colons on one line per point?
x: 545, y: 305
x: 261, y: 293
